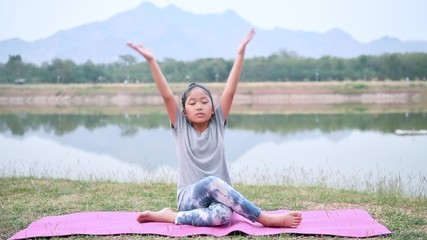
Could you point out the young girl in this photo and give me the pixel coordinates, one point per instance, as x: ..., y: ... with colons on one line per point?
x: 205, y: 195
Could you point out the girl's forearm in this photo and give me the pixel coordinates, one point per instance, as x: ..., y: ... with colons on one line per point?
x: 160, y: 80
x: 231, y: 85
x: 236, y: 70
x: 235, y: 74
x: 162, y: 85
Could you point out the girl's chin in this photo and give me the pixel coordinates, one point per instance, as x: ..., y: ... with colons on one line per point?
x: 199, y: 120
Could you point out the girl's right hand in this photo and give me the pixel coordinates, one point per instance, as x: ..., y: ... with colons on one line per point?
x: 143, y: 51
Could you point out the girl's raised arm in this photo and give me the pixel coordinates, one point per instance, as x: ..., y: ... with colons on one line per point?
x: 234, y: 77
x: 160, y: 80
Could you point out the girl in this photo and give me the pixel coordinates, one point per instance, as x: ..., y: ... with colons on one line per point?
x: 204, y: 192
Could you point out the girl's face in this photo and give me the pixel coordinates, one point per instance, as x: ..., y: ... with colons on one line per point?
x: 198, y: 106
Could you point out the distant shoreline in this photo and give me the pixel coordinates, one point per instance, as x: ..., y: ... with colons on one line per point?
x: 250, y: 97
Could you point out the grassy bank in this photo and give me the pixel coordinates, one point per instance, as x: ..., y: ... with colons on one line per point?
x: 341, y: 87
x: 24, y: 200
x: 251, y: 98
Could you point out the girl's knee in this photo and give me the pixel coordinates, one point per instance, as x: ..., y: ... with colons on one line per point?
x: 221, y: 214
x: 215, y: 182
x: 212, y: 179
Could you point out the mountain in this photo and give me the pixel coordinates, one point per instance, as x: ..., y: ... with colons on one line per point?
x: 171, y: 32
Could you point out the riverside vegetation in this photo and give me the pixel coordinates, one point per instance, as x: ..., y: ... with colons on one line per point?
x: 282, y: 66
x: 27, y: 199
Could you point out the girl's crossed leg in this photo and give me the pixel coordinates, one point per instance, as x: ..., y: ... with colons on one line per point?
x: 211, y: 201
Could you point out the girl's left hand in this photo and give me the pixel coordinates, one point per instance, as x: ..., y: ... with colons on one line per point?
x: 245, y: 41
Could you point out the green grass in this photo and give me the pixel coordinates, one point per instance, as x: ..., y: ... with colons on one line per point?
x: 353, y: 88
x: 24, y: 200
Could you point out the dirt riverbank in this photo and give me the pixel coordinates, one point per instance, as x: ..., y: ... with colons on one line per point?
x: 250, y: 97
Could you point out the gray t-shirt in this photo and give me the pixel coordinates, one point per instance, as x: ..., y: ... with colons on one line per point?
x: 200, y: 154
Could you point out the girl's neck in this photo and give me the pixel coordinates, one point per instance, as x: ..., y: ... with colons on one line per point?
x: 200, y: 127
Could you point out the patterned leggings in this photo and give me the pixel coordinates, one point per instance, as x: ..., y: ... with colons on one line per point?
x: 211, y: 202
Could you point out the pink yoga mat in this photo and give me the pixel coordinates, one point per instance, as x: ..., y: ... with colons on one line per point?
x: 344, y: 223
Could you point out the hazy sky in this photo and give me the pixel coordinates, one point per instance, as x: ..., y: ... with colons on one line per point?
x: 365, y: 20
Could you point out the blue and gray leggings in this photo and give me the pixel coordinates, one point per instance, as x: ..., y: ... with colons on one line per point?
x: 211, y: 202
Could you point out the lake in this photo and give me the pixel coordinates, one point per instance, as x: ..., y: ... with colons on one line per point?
x: 358, y: 151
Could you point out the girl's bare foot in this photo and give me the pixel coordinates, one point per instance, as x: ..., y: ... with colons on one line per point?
x: 164, y: 215
x: 290, y: 219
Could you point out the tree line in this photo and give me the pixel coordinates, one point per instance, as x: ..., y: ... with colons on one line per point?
x: 283, y: 66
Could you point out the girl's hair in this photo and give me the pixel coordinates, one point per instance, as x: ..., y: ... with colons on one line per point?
x: 190, y: 87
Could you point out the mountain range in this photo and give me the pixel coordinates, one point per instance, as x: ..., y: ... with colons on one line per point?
x: 172, y: 33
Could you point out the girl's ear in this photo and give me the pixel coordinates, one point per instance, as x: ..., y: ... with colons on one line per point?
x: 183, y: 111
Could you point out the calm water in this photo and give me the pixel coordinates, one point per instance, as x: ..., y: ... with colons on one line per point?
x: 356, y: 151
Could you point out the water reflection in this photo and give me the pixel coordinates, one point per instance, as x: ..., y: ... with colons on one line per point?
x: 348, y: 158
x: 40, y: 157
x: 357, y: 151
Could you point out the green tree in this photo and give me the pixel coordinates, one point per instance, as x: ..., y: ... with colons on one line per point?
x: 63, y: 71
x: 13, y: 69
x: 92, y: 72
x: 128, y: 60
